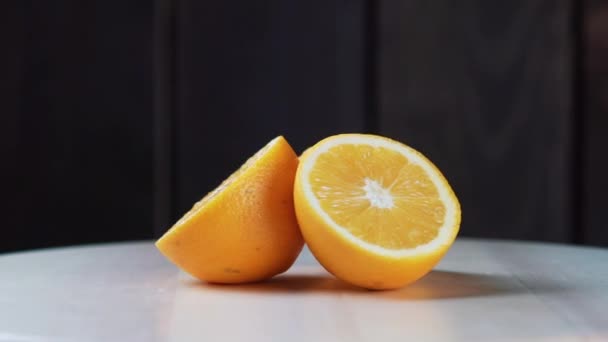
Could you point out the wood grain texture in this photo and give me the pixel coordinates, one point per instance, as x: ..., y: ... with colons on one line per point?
x: 249, y: 71
x: 595, y: 122
x: 80, y: 131
x: 485, y: 91
x: 481, y: 291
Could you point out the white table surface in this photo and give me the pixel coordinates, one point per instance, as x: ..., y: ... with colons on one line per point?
x: 482, y: 290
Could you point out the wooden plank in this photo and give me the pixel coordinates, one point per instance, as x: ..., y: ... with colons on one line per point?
x: 12, y: 36
x: 165, y: 91
x: 595, y: 122
x: 83, y: 133
x: 248, y: 71
x: 484, y: 90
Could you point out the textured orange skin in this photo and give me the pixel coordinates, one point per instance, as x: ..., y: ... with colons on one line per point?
x: 352, y: 263
x: 248, y: 232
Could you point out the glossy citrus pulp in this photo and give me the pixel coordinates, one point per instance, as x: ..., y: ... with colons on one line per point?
x: 374, y: 212
x: 246, y: 229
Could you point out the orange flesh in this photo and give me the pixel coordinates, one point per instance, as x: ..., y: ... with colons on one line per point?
x: 378, y: 196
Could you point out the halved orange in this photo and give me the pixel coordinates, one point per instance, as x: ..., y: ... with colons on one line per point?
x: 373, y: 211
x: 246, y: 229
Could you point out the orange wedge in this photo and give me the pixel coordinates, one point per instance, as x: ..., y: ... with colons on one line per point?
x: 373, y: 211
x: 246, y: 229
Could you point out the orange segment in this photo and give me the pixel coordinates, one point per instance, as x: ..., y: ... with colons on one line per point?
x: 372, y: 199
x: 245, y: 230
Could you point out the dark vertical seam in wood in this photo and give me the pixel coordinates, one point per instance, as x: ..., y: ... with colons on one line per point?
x: 371, y: 66
x: 175, y: 91
x: 164, y: 114
x: 578, y: 225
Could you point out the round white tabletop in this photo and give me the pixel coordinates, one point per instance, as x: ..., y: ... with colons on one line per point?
x: 482, y: 290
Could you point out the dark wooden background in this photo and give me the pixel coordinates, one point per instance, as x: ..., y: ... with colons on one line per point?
x: 118, y: 115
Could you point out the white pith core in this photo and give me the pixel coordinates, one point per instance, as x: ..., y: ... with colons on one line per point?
x: 377, y: 196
